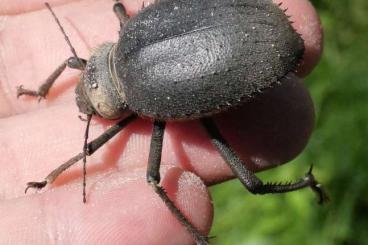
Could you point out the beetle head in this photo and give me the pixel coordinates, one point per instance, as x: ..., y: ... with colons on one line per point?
x: 97, y: 92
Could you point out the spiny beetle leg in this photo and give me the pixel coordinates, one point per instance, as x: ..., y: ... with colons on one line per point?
x: 153, y: 178
x: 248, y: 178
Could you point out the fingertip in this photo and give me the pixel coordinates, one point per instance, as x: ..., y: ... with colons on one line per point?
x: 274, y: 127
x: 191, y: 196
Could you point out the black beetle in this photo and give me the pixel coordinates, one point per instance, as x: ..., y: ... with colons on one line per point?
x: 185, y: 60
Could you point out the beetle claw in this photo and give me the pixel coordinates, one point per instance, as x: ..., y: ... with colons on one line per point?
x: 310, y: 169
x: 323, y: 197
x: 19, y: 91
x: 317, y: 187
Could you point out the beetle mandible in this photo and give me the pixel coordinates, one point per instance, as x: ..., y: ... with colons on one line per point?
x: 182, y: 60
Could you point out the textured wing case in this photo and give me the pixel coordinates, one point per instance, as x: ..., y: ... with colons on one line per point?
x: 185, y: 59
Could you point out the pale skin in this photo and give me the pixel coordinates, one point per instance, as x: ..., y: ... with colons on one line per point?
x: 37, y: 137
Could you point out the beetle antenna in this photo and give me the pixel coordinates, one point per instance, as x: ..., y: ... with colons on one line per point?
x: 85, y: 151
x: 65, y: 36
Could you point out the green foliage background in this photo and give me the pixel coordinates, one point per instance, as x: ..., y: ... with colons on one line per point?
x: 338, y: 147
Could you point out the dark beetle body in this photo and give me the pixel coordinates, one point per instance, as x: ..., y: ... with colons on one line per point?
x: 183, y: 59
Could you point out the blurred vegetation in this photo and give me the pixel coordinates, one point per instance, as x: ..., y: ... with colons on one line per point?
x: 338, y: 147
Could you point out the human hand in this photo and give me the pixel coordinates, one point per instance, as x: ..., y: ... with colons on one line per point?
x: 121, y: 208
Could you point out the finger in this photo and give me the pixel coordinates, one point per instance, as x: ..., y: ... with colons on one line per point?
x: 88, y: 25
x: 266, y: 132
x: 274, y: 127
x: 121, y: 208
x: 308, y: 24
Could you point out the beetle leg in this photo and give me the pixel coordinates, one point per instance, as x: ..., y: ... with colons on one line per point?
x: 153, y: 178
x: 43, y: 90
x: 120, y: 12
x: 91, y: 147
x: 248, y: 178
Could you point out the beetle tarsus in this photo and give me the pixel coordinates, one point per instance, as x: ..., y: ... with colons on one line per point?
x: 22, y: 91
x: 36, y: 185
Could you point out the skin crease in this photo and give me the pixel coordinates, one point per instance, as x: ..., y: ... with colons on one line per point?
x: 121, y: 208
